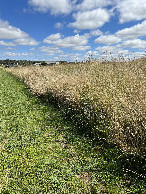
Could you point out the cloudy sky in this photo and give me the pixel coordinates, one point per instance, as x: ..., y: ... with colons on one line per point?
x: 72, y: 29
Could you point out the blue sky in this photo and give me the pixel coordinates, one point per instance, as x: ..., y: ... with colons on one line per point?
x: 72, y: 29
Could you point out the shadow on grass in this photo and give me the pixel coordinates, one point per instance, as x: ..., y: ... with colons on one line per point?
x: 127, y: 165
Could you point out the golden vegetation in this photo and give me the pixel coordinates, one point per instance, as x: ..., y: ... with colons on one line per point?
x: 106, y: 92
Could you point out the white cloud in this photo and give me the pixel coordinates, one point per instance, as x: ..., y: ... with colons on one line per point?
x: 59, y: 25
x: 108, y: 39
x: 32, y: 49
x: 70, y: 57
x: 50, y: 50
x: 11, y: 54
x: 3, y: 43
x: 72, y: 41
x: 26, y: 54
x: 10, y: 48
x: 114, y: 50
x: 92, y: 53
x: 131, y: 10
x: 96, y: 32
x: 63, y: 56
x: 55, y: 6
x: 138, y: 54
x: 81, y: 48
x: 26, y: 41
x: 90, y: 19
x: 92, y: 4
x: 76, y: 31
x: 50, y: 39
x: 133, y: 32
x: 74, y: 57
x: 10, y: 32
x: 56, y: 58
x: 136, y: 43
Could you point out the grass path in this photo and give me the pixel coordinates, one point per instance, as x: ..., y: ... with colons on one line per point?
x: 40, y: 152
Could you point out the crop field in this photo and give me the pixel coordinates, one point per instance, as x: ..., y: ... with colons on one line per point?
x: 108, y: 97
x: 60, y: 129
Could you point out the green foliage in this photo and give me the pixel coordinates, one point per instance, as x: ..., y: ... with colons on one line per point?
x: 41, y: 151
x: 43, y: 63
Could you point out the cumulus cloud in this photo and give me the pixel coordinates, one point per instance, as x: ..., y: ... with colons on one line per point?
x: 90, y: 53
x: 50, y: 50
x: 108, y: 39
x: 128, y: 35
x: 138, y: 54
x: 10, y: 32
x: 112, y: 51
x: 3, y: 43
x: 26, y: 41
x: 12, y: 54
x: 92, y: 4
x: 55, y: 6
x: 74, y: 57
x: 136, y: 43
x: 32, y: 49
x: 70, y: 57
x: 72, y: 41
x: 90, y: 19
x: 133, y: 32
x: 76, y: 31
x: 50, y: 39
x: 81, y: 48
x: 10, y: 48
x: 131, y: 10
x: 96, y: 32
x: 59, y: 25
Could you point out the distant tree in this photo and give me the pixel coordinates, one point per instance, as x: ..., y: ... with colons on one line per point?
x: 43, y: 63
x: 63, y: 62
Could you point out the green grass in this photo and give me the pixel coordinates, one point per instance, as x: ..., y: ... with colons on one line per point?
x: 43, y: 152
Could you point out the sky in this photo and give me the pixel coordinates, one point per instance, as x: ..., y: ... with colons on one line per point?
x: 72, y: 30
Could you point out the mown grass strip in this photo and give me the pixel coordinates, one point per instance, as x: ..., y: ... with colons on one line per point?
x: 41, y: 152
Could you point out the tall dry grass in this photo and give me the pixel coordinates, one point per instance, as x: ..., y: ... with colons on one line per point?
x: 108, y: 91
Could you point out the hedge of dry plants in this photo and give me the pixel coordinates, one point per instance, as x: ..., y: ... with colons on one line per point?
x: 110, y: 95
